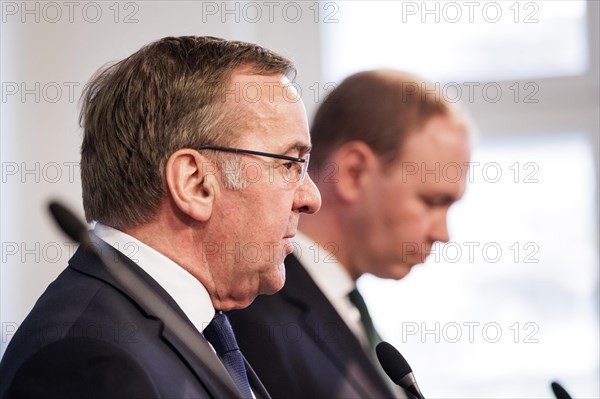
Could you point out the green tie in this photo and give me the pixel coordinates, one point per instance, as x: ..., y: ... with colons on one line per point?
x: 373, y: 337
x: 358, y: 301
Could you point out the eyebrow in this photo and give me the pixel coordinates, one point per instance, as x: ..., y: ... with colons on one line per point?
x: 443, y: 199
x: 300, y: 147
x: 449, y: 199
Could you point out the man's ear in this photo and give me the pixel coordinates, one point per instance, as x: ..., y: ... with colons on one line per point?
x: 192, y: 183
x: 356, y: 166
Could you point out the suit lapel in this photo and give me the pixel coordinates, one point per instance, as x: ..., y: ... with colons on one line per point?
x: 201, y: 359
x: 333, y: 336
x: 258, y: 388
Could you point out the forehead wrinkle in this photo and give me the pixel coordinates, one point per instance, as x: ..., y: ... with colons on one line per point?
x: 259, y: 113
x: 251, y: 118
x: 271, y: 112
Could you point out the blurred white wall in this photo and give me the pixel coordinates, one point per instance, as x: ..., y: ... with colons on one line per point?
x: 49, y: 50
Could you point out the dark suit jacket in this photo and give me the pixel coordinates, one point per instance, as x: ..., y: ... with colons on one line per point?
x: 88, y: 337
x: 301, y: 348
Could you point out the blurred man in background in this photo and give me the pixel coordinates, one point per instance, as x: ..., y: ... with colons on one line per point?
x: 390, y: 157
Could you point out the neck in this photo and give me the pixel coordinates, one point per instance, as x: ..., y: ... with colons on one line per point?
x: 177, y: 240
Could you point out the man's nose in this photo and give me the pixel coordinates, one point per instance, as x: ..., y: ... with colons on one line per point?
x: 308, y: 197
x: 439, y: 229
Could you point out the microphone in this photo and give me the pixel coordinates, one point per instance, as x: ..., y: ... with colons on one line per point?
x: 559, y: 391
x: 70, y: 224
x: 398, y: 369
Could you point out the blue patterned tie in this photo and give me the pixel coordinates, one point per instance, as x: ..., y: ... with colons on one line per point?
x: 220, y: 334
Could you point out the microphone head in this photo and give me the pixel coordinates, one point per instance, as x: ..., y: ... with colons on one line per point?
x: 392, y: 361
x: 559, y: 391
x: 69, y: 223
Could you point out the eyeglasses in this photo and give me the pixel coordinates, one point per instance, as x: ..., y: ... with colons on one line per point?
x: 300, y: 163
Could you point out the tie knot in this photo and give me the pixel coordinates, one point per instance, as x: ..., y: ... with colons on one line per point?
x: 220, y: 334
x: 357, y: 300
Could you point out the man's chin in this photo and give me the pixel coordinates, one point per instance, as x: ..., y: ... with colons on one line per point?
x: 398, y: 271
x: 269, y: 284
x: 274, y: 282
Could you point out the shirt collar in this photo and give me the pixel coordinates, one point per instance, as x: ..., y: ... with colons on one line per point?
x: 323, y: 267
x: 189, y: 294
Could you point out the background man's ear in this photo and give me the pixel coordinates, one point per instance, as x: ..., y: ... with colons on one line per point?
x: 356, y: 166
x: 191, y: 183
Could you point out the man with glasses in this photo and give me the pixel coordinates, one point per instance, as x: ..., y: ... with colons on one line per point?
x: 390, y: 158
x: 295, y: 171
x: 197, y: 192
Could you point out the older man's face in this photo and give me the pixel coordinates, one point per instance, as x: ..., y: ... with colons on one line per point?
x: 258, y: 221
x: 405, y: 209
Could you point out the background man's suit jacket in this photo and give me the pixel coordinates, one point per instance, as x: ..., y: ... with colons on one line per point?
x: 87, y: 337
x: 301, y: 348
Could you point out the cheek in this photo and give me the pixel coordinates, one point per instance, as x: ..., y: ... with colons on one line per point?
x: 409, y: 221
x: 269, y: 223
x: 270, y: 211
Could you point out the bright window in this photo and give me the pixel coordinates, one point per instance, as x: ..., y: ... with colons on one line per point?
x: 511, y: 303
x: 458, y: 40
